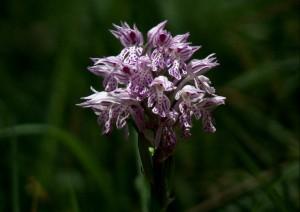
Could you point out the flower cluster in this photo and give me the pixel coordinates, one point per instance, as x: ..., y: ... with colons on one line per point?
x: 156, y: 83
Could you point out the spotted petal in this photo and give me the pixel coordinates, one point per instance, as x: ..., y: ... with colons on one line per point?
x: 158, y: 60
x: 203, y: 83
x: 130, y: 55
x: 207, y: 122
x: 174, y: 70
x: 185, y: 119
x: 122, y: 116
x: 151, y: 99
x: 110, y: 83
x: 161, y: 106
x: 163, y: 83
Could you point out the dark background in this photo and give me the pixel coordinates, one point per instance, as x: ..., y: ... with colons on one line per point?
x: 52, y: 154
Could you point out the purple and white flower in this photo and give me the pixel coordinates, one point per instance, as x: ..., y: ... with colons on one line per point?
x: 180, y: 52
x: 107, y: 68
x: 157, y: 98
x: 155, y: 84
x: 142, y: 78
x: 187, y: 97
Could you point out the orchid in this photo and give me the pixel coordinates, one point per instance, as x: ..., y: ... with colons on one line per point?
x: 158, y: 78
x: 157, y: 84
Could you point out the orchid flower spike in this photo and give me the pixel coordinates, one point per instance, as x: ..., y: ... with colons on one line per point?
x: 154, y: 83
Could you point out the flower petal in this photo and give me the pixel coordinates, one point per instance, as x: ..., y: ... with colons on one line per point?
x: 201, y: 66
x: 151, y: 99
x: 110, y: 83
x: 207, y: 122
x: 203, y: 83
x: 121, y: 119
x: 163, y: 82
x: 162, y: 106
x: 211, y: 102
x: 158, y: 60
x: 174, y: 70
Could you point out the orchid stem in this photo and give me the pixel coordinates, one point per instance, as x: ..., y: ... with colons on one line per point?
x: 155, y: 173
x: 159, y: 186
x: 141, y: 181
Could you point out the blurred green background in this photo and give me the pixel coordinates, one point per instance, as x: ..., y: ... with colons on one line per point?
x: 53, y: 156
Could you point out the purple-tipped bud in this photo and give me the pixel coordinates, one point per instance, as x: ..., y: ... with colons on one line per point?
x: 181, y: 38
x: 199, y: 67
x: 184, y: 51
x: 128, y: 36
x: 163, y: 38
x: 157, y: 36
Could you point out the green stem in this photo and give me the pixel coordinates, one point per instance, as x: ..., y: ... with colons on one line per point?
x: 157, y: 173
x: 141, y: 183
x: 160, y: 195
